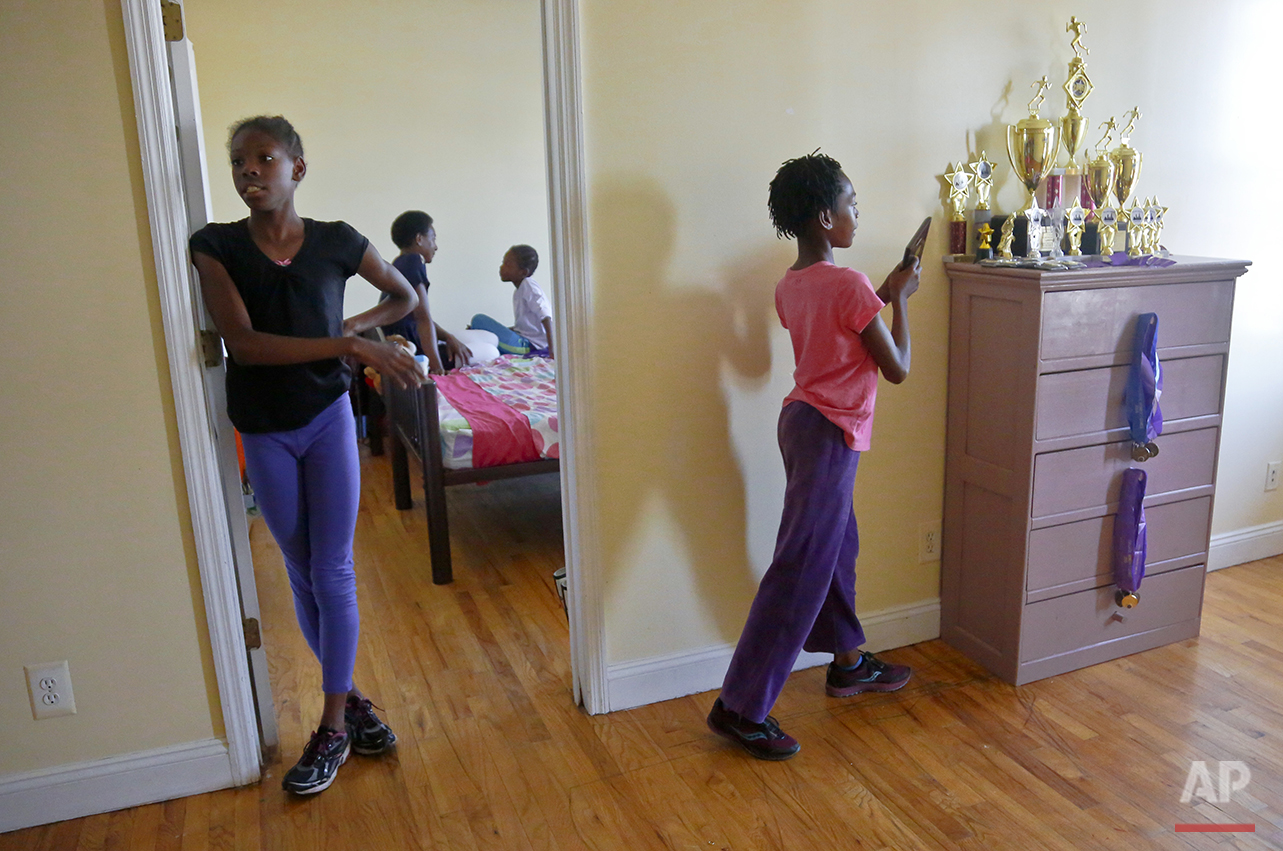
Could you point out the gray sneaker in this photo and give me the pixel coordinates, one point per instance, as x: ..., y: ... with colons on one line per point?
x: 369, y: 735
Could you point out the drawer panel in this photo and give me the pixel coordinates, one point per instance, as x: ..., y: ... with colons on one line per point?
x: 1090, y: 618
x: 1088, y: 401
x: 1089, y: 476
x: 1077, y: 323
x: 1077, y: 552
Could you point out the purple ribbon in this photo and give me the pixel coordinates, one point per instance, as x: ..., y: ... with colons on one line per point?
x: 1144, y: 383
x: 1129, y: 532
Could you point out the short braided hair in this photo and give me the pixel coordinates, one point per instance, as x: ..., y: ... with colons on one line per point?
x: 275, y: 126
x: 801, y: 190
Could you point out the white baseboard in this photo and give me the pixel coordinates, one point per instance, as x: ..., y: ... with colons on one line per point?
x: 644, y: 681
x: 87, y: 788
x: 1244, y: 545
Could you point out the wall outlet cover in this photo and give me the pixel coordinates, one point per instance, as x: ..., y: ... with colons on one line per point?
x: 49, y: 685
x: 929, y: 541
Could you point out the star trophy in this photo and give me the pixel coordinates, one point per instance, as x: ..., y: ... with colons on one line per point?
x: 1077, y: 219
x: 1032, y: 145
x: 982, y: 180
x: 1077, y: 87
x: 1100, y: 188
x: 959, y: 188
x: 1127, y: 161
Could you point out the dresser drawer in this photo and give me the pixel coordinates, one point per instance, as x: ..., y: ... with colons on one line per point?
x: 1090, y: 476
x: 1089, y: 401
x: 1079, y: 553
x: 1091, y: 618
x: 1077, y: 323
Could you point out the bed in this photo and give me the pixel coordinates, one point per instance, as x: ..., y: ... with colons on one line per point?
x: 477, y: 424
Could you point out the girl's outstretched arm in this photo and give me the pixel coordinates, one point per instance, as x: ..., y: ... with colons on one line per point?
x: 402, y: 300
x: 250, y: 347
x: 890, y: 348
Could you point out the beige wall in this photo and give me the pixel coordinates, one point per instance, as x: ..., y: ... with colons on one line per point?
x: 690, y: 107
x: 98, y: 564
x: 402, y: 105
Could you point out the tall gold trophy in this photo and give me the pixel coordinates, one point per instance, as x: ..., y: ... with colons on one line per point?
x: 1077, y: 87
x: 1100, y: 186
x: 1127, y: 162
x: 1032, y: 145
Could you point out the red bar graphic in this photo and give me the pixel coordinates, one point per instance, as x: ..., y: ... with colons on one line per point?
x: 1216, y: 828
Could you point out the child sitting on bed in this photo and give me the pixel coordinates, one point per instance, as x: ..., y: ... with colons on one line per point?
x: 531, y: 332
x: 414, y: 234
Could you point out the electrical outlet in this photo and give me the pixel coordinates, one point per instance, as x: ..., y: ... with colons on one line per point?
x: 50, y: 687
x: 1272, y: 475
x: 929, y: 541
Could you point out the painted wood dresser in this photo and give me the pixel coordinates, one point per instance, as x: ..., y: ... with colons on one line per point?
x: 1037, y: 442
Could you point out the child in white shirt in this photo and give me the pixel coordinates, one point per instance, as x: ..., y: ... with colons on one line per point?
x: 531, y: 332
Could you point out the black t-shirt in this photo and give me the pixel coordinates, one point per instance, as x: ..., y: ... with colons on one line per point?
x: 303, y: 299
x: 416, y: 272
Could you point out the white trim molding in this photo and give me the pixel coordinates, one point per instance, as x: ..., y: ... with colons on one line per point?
x: 1243, y: 545
x: 130, y: 780
x: 572, y: 304
x: 162, y: 179
x: 643, y: 681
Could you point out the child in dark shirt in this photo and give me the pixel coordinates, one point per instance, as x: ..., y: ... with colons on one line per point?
x: 274, y: 284
x: 414, y: 233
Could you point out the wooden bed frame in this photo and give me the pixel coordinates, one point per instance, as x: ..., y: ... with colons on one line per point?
x: 412, y: 418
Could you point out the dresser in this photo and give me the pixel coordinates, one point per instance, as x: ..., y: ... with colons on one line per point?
x: 1037, y: 443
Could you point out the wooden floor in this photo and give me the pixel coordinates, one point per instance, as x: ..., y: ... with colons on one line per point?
x: 475, y: 678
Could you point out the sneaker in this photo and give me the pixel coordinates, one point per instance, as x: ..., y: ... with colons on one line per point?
x: 317, y: 769
x: 764, y: 741
x: 872, y: 674
x: 369, y: 735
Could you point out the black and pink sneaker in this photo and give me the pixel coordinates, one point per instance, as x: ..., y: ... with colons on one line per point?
x: 872, y: 674
x: 325, y: 752
x: 764, y: 741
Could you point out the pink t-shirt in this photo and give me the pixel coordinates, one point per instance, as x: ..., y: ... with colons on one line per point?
x: 825, y: 307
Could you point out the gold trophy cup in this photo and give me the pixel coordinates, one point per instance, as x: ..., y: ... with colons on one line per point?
x: 1032, y: 145
x: 1100, y: 186
x: 1127, y: 161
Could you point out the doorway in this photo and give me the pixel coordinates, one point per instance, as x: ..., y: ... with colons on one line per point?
x: 568, y: 273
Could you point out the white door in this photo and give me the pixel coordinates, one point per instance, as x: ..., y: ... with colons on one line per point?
x: 191, y: 146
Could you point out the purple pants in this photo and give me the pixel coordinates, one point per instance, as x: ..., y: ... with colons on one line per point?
x: 807, y: 598
x: 307, y: 483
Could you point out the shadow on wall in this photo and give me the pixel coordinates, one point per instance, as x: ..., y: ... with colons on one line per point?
x: 661, y: 352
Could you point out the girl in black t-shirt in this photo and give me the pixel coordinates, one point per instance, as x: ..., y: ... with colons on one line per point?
x: 274, y: 285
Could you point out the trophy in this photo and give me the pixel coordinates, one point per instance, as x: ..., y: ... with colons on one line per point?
x: 1127, y: 162
x: 959, y: 188
x: 1004, y: 240
x: 1032, y: 145
x: 983, y: 250
x: 1100, y: 185
x: 982, y: 170
x: 1077, y: 87
x: 1137, y: 226
x: 1077, y: 219
x: 1156, y: 213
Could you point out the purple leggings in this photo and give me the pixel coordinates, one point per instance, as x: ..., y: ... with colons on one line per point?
x: 307, y: 483
x: 806, y: 599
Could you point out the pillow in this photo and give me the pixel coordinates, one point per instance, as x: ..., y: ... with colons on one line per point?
x: 484, y: 345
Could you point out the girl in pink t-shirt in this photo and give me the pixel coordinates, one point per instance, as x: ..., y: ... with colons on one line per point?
x: 806, y: 600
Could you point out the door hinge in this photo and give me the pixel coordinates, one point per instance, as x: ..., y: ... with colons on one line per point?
x: 253, y: 635
x: 171, y: 16
x: 211, y: 348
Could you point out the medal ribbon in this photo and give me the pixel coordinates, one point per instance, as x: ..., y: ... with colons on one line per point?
x: 1144, y: 383
x: 1129, y: 532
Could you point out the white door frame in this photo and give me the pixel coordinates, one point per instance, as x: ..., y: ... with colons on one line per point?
x: 162, y: 177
